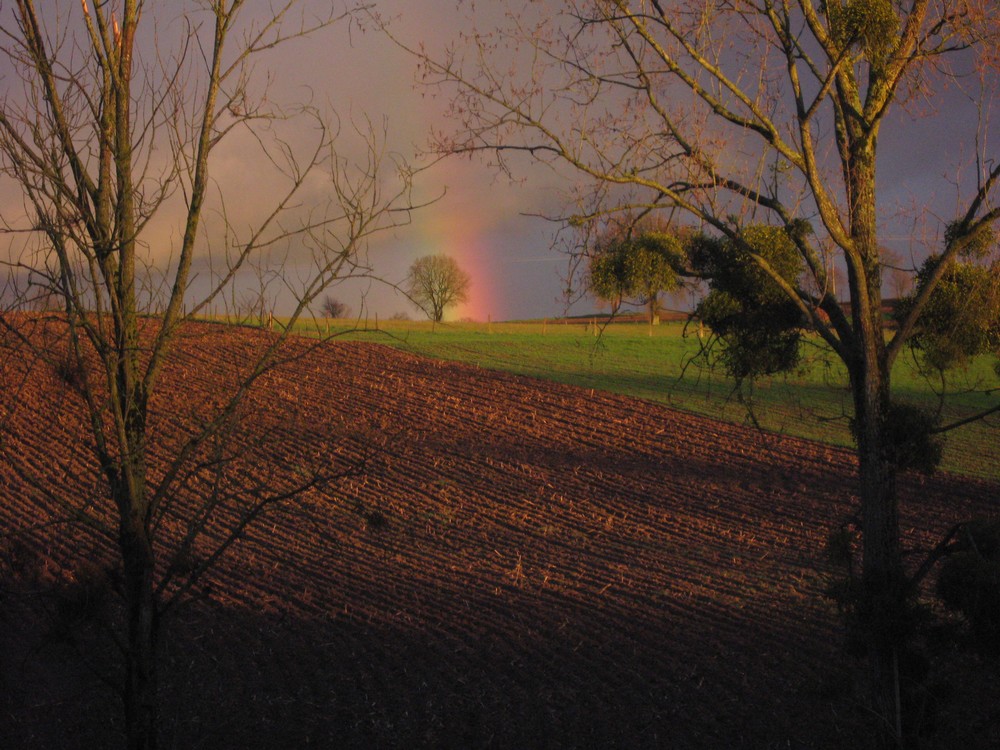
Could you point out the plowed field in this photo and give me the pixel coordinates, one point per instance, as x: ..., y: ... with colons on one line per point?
x: 521, y: 564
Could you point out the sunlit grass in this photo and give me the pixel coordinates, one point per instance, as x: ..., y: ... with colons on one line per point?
x: 662, y: 364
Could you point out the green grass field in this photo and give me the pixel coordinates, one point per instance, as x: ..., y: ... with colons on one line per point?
x: 662, y: 365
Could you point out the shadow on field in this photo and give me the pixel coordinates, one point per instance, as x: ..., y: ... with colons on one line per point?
x: 522, y: 565
x: 238, y: 680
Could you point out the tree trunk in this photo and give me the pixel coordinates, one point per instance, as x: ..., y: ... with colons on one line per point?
x: 140, y: 658
x: 883, y: 606
x: 138, y: 557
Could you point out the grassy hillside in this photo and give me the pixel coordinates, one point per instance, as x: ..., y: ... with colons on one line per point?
x: 662, y: 365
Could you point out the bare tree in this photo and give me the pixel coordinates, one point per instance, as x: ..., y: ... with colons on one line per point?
x: 334, y: 308
x: 435, y: 283
x: 763, y: 112
x: 109, y: 136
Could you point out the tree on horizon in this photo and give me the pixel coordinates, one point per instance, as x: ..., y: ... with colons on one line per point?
x: 435, y: 283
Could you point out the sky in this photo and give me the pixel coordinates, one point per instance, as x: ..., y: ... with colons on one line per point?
x: 473, y: 215
x: 485, y: 221
x: 482, y: 219
x: 488, y: 222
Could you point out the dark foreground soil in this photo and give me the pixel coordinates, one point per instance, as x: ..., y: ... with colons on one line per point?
x: 519, y: 565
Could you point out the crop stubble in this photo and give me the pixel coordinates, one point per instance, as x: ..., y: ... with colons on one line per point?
x: 521, y: 564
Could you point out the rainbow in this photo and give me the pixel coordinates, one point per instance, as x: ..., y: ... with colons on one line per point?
x: 463, y: 241
x: 471, y: 222
x: 458, y: 227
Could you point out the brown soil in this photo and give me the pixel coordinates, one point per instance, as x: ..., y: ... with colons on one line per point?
x: 521, y: 564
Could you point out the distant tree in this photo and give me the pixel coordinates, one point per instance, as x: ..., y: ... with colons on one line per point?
x: 435, y: 283
x: 759, y: 325
x: 636, y: 269
x: 334, y: 308
x: 961, y: 318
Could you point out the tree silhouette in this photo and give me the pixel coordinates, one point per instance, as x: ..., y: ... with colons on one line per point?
x: 334, y: 308
x: 108, y: 126
x: 435, y: 283
x: 625, y: 268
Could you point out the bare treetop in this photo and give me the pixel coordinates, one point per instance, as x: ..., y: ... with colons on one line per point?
x: 437, y: 282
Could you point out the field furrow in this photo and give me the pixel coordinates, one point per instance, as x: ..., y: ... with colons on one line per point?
x: 510, y: 563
